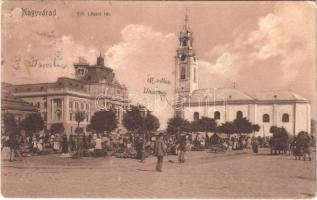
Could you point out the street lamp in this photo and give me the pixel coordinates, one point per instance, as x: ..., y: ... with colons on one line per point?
x: 143, y: 112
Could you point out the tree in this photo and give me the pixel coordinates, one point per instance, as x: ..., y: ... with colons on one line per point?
x: 57, y: 128
x: 303, y: 138
x: 273, y: 129
x: 79, y: 117
x: 132, y: 119
x: 10, y: 125
x: 177, y: 124
x: 187, y: 126
x: 227, y: 128
x: 135, y: 122
x: 279, y: 139
x: 32, y: 123
x: 195, y: 125
x: 255, y: 128
x: 206, y: 124
x: 313, y: 127
x: 104, y: 120
x: 242, y: 125
x: 279, y: 132
x: 151, y: 122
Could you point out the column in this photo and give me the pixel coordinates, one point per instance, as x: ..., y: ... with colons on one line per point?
x: 274, y: 116
x: 66, y: 108
x: 294, y: 119
x: 52, y: 110
x: 62, y: 108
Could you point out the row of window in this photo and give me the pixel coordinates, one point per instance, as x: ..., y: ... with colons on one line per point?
x: 81, y: 71
x: 38, y: 104
x: 217, y: 115
x: 82, y: 106
x: 72, y: 117
x: 28, y: 89
x: 62, y: 84
x: 265, y: 118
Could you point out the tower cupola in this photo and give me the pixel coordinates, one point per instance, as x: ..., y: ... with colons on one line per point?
x: 100, y: 61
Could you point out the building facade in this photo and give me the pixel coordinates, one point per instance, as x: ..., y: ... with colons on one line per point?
x: 93, y: 88
x: 270, y: 108
x: 14, y: 106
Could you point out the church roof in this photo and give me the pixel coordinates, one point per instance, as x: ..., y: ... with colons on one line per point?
x: 10, y: 102
x: 235, y: 95
x: 219, y: 94
x: 276, y: 95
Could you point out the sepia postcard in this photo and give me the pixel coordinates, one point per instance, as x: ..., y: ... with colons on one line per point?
x: 158, y: 99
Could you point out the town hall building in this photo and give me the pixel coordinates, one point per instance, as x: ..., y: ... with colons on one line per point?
x: 270, y: 108
x: 93, y: 88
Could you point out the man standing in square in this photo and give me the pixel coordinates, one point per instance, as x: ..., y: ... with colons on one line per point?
x: 159, y: 152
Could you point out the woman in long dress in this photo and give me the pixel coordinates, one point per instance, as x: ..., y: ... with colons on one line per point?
x: 40, y: 145
x: 56, y: 146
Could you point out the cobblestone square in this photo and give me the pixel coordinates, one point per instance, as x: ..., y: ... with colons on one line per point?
x: 233, y: 174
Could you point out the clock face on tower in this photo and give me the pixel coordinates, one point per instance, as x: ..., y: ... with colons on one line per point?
x: 183, y: 57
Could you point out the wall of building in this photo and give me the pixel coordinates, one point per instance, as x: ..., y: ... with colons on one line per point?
x: 40, y: 103
x: 233, y: 109
x: 264, y: 126
x: 299, y: 115
x: 189, y: 112
x: 302, y: 117
x: 280, y: 111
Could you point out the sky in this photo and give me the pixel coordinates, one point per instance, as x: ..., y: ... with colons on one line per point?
x: 257, y: 46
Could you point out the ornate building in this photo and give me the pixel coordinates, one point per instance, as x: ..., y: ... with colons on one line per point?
x: 94, y: 88
x: 279, y: 108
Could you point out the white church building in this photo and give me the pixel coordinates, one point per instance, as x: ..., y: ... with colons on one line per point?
x: 271, y: 108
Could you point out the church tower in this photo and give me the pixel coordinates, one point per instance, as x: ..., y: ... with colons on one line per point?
x: 186, y: 77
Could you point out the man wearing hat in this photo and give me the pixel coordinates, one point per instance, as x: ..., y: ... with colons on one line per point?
x: 159, y: 152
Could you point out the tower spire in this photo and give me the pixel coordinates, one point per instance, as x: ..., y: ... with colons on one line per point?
x: 100, y: 60
x: 186, y: 16
x: 186, y: 26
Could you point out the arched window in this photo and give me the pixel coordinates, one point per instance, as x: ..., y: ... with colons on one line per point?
x: 239, y: 114
x: 266, y: 118
x: 285, y: 117
x: 196, y: 116
x: 184, y: 43
x: 183, y: 72
x: 217, y: 115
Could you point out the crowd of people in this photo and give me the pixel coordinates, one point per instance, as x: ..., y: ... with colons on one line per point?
x: 131, y: 146
x: 137, y: 146
x: 237, y: 142
x: 96, y: 145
